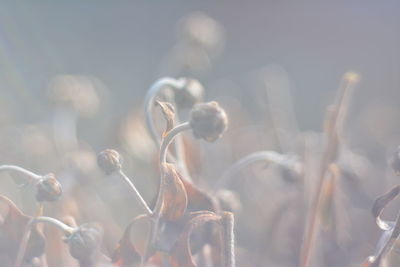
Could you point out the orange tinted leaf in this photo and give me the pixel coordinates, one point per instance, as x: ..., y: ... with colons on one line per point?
x: 12, y: 227
x: 126, y: 253
x: 174, y: 198
x: 168, y: 111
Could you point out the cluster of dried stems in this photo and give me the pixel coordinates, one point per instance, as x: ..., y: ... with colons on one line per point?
x: 191, y: 221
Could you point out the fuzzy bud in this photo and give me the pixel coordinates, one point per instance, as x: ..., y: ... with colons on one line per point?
x: 396, y: 161
x: 109, y: 161
x: 48, y: 188
x: 190, y: 94
x: 85, y: 241
x: 208, y: 121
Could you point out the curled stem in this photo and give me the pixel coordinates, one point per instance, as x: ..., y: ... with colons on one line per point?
x: 21, y: 170
x: 27, y: 233
x: 158, y: 206
x: 169, y: 137
x: 149, y: 102
x: 137, y: 195
x: 267, y: 156
x: 151, y: 94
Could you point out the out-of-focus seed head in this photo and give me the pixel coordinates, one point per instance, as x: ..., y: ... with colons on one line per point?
x: 85, y: 241
x: 208, y: 121
x: 76, y: 92
x: 396, y: 161
x: 190, y: 94
x: 48, y: 188
x: 201, y: 29
x: 109, y: 161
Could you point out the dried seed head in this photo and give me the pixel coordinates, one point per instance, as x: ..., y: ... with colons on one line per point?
x: 109, y: 161
x: 208, y: 121
x: 396, y: 161
x: 190, y: 94
x: 85, y: 241
x: 48, y: 188
x: 198, y: 28
x: 76, y: 92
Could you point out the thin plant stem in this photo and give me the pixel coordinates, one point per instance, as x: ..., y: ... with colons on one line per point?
x: 149, y: 102
x: 137, y: 195
x: 27, y: 233
x: 163, y: 159
x: 157, y: 208
x: 169, y: 137
x: 151, y: 94
x: 14, y: 168
x: 228, y: 239
x: 333, y: 125
x: 267, y: 156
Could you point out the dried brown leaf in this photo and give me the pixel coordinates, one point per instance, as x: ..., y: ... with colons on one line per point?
x: 12, y: 227
x: 174, y: 198
x: 168, y: 111
x: 126, y: 253
x: 181, y: 254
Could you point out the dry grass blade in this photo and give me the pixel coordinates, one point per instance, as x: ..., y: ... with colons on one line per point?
x: 328, y: 194
x: 333, y: 127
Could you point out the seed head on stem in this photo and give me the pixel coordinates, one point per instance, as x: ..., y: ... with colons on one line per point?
x: 110, y: 162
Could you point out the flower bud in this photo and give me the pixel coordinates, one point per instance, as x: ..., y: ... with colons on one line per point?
x: 109, y: 161
x: 48, y: 188
x: 208, y: 121
x: 85, y: 241
x: 396, y: 161
x: 190, y: 94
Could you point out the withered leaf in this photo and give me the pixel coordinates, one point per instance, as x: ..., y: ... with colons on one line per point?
x: 174, y: 197
x: 181, y: 254
x: 197, y: 199
x: 168, y: 111
x: 126, y: 253
x: 12, y: 227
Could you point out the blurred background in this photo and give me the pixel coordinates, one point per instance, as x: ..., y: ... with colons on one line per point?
x: 117, y: 49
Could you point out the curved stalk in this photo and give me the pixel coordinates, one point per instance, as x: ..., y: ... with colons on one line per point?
x: 163, y: 159
x: 14, y: 168
x: 24, y: 242
x: 151, y: 94
x: 169, y: 137
x: 157, y: 208
x: 268, y: 156
x: 137, y: 195
x: 149, y: 102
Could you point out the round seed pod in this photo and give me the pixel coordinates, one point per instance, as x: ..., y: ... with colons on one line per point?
x: 109, y: 161
x: 190, y: 94
x: 396, y: 161
x: 208, y: 121
x: 84, y: 243
x: 48, y: 188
